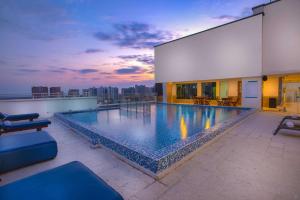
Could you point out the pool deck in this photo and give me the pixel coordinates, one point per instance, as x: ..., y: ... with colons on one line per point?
x: 247, y: 162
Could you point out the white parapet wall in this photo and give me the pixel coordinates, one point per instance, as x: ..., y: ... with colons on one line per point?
x: 281, y: 37
x: 46, y: 107
x: 230, y: 51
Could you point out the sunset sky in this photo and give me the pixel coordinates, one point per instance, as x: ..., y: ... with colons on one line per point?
x: 85, y: 43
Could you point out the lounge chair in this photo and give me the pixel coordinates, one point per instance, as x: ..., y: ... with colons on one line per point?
x: 7, y: 126
x: 72, y: 181
x: 283, y: 124
x: 20, y: 150
x: 29, y: 116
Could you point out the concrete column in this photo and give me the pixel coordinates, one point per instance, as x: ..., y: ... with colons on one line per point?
x: 164, y: 86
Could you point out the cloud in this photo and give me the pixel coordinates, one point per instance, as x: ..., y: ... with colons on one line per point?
x: 87, y: 71
x: 68, y: 69
x: 244, y: 13
x: 145, y: 59
x: 61, y: 70
x: 135, y: 35
x: 56, y: 71
x: 89, y: 51
x: 28, y: 70
x: 105, y: 73
x: 227, y: 17
x: 130, y: 70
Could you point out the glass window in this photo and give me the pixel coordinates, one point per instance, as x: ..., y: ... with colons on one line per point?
x: 159, y: 89
x: 186, y: 91
x: 209, y: 90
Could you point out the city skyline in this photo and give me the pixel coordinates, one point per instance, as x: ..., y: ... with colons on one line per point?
x: 81, y: 44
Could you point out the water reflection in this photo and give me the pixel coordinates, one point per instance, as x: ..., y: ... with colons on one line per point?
x: 183, y: 129
x: 208, y: 117
x: 162, y: 126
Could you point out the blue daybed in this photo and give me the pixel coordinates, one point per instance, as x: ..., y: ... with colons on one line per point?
x: 72, y: 181
x: 20, y: 150
x: 29, y: 116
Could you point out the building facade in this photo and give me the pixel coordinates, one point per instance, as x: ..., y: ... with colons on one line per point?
x: 85, y: 92
x: 56, y: 92
x: 39, y: 92
x: 255, y: 60
x: 73, y: 93
x: 106, y: 95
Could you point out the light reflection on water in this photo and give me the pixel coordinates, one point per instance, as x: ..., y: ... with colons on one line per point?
x: 162, y: 126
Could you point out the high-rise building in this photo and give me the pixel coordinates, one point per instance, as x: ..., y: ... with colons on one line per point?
x: 85, y: 92
x: 73, y: 93
x: 143, y: 90
x: 108, y: 94
x: 55, y: 92
x: 128, y: 91
x: 39, y: 92
x: 92, y: 92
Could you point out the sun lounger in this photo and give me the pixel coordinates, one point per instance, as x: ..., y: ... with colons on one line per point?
x: 21, y: 150
x: 29, y: 116
x: 72, y: 181
x: 8, y: 126
x: 283, y: 124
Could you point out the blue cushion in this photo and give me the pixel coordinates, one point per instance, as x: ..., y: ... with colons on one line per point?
x: 24, y: 124
x: 24, y: 149
x: 72, y: 181
x: 21, y: 117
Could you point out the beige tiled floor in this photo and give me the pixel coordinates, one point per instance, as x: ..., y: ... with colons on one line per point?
x: 248, y: 162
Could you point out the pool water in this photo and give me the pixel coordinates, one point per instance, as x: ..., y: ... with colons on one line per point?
x: 156, y: 128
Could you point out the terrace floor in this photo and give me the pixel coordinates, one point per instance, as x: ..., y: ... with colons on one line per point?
x: 247, y: 162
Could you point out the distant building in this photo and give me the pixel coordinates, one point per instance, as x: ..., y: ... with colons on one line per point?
x: 137, y: 93
x: 85, y: 92
x: 128, y: 91
x: 137, y: 90
x: 143, y: 90
x: 55, y: 92
x: 73, y: 93
x: 39, y: 92
x: 92, y: 92
x: 108, y: 94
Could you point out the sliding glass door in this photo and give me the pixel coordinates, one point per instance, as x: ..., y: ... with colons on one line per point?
x: 186, y: 91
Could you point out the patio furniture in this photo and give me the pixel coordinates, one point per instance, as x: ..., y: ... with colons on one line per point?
x: 206, y: 101
x: 72, y: 181
x: 21, y: 150
x: 198, y: 99
x: 7, y: 126
x: 226, y: 101
x: 219, y: 101
x: 233, y: 101
x: 283, y: 124
x: 19, y: 117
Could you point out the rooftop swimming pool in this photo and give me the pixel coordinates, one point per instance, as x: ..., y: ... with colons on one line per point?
x: 154, y: 136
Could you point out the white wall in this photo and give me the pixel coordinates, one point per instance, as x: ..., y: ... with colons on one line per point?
x: 230, y: 51
x: 47, y: 107
x: 281, y: 37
